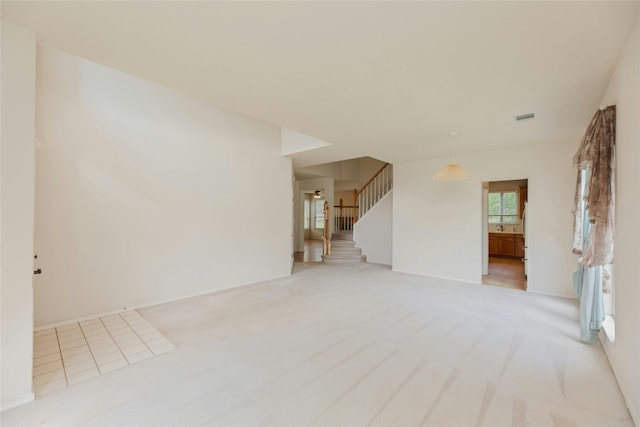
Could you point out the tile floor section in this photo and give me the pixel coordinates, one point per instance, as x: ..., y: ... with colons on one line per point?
x: 76, y: 352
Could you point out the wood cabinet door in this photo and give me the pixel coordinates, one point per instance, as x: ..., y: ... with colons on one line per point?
x: 507, y: 247
x: 494, y: 246
x: 519, y: 249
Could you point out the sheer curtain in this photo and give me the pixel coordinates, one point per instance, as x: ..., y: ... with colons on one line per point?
x: 593, y: 210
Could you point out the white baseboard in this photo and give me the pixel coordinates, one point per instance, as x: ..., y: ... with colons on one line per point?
x: 76, y: 320
x: 553, y: 294
x: 431, y: 276
x: 150, y: 304
x: 19, y: 401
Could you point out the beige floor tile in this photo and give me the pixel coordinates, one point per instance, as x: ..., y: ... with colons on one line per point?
x: 123, y: 335
x: 98, y: 331
x: 79, y: 367
x: 156, y: 341
x: 46, y: 359
x: 104, y: 348
x: 135, y: 358
x: 69, y: 338
x: 114, y: 323
x: 75, y: 351
x: 49, y: 377
x: 68, y: 332
x: 129, y: 342
x: 90, y: 323
x: 44, y: 333
x: 109, y: 357
x: 47, y: 367
x: 50, y: 387
x: 41, y: 343
x: 165, y: 348
x: 46, y: 351
x: 112, y: 366
x: 83, y: 376
x: 78, y: 342
x: 100, y: 341
x: 149, y: 334
x: 134, y: 349
x: 117, y: 329
x: 69, y: 327
x: 78, y: 358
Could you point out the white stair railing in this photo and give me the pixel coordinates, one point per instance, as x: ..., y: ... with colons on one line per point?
x: 375, y: 189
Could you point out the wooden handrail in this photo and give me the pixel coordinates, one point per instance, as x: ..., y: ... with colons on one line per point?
x: 370, y: 181
x: 326, y: 228
x: 356, y: 193
x: 345, y: 207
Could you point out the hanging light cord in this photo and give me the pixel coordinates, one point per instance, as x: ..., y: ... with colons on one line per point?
x: 453, y: 134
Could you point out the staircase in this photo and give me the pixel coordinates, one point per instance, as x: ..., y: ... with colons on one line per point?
x: 343, y: 250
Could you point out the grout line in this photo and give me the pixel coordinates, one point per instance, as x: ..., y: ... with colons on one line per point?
x: 140, y: 338
x: 64, y: 370
x: 95, y: 362
x: 114, y: 341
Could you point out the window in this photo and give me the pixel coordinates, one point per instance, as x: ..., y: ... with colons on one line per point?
x: 307, y: 213
x: 318, y: 221
x: 503, y: 207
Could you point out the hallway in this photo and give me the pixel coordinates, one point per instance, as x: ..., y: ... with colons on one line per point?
x: 312, y: 252
x: 506, y: 273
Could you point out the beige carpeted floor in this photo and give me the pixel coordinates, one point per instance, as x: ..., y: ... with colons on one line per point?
x: 353, y: 345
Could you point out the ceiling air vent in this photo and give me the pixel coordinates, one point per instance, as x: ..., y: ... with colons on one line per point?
x: 524, y: 117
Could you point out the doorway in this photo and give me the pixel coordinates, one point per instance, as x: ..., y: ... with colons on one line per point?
x: 505, y: 233
x: 313, y: 219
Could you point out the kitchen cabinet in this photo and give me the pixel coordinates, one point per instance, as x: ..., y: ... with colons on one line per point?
x: 494, y: 246
x: 503, y: 244
x: 519, y: 246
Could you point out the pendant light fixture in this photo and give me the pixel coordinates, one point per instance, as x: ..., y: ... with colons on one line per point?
x: 453, y: 171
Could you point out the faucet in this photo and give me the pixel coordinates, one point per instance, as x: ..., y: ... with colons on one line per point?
x: 499, y: 227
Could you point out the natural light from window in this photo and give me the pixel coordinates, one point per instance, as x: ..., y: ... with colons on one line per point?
x: 503, y: 207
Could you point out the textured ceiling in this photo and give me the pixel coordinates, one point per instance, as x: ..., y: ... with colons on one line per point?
x: 382, y: 79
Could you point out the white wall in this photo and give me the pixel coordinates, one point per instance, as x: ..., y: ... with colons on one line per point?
x: 373, y: 232
x: 437, y: 225
x: 17, y: 155
x: 624, y: 354
x: 145, y: 194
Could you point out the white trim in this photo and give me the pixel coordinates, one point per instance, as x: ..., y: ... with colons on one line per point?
x: 609, y: 328
x: 551, y: 294
x: 77, y: 320
x: 451, y: 279
x: 635, y: 416
x: 22, y: 400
